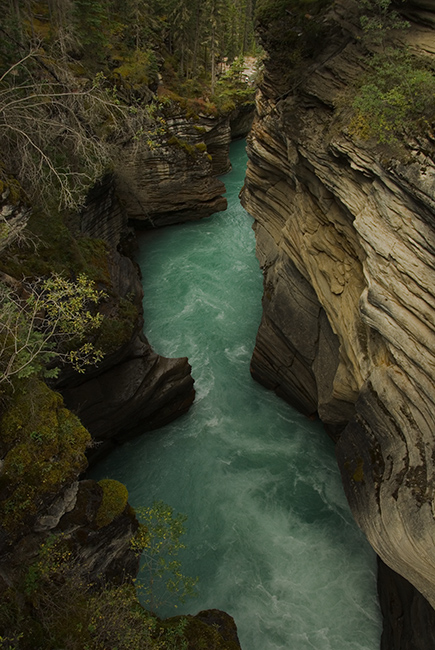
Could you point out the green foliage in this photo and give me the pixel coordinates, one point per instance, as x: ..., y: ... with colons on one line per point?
x: 55, y: 607
x: 158, y: 538
x: 232, y: 90
x: 128, y: 44
x: 379, y: 19
x: 118, y: 329
x: 291, y: 32
x: 51, y: 322
x: 90, y: 18
x: 119, y: 621
x: 269, y: 11
x: 50, y: 247
x: 207, y: 636
x: 397, y: 98
x: 114, y: 502
x: 184, y: 145
x: 43, y: 446
x: 139, y: 69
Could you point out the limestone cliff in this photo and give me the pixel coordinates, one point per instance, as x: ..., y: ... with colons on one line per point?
x: 346, y: 238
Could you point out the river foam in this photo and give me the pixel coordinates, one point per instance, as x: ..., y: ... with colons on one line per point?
x: 270, y: 535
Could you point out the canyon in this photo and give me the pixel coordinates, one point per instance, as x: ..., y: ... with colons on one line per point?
x: 133, y: 389
x: 346, y: 240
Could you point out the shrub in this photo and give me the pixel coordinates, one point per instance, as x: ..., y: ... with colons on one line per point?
x: 137, y: 70
x: 52, y: 322
x: 43, y: 446
x: 158, y: 539
x: 54, y: 607
x: 397, y: 98
x: 115, y: 497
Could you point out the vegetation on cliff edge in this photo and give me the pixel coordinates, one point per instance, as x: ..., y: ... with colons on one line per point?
x: 396, y: 96
x: 79, y: 81
x: 53, y: 605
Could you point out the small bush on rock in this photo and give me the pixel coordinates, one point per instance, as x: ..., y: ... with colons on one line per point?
x: 115, y: 497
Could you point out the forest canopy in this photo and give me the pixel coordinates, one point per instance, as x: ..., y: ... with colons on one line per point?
x: 80, y: 77
x: 134, y: 40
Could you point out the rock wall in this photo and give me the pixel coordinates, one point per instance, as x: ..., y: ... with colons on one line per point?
x: 101, y: 552
x: 176, y: 180
x: 346, y: 239
x: 133, y: 389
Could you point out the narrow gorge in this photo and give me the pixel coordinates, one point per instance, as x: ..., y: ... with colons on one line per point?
x: 269, y: 532
x: 343, y: 212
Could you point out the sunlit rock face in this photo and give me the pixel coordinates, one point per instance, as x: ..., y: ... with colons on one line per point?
x: 346, y: 239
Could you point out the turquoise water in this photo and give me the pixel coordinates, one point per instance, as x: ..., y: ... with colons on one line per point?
x: 270, y: 535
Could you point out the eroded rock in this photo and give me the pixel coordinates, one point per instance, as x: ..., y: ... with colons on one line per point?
x: 345, y: 235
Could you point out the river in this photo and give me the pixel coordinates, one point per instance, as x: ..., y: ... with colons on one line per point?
x: 270, y: 535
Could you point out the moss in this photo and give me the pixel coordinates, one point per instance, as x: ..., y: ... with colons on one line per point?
x: 137, y: 70
x: 218, y: 635
x: 94, y: 260
x: 183, y: 145
x: 114, y: 502
x: 117, y: 330
x: 290, y: 37
x: 201, y: 147
x: 43, y: 445
x: 10, y: 189
x: 53, y: 248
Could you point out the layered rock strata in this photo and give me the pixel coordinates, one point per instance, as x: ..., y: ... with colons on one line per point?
x: 133, y: 389
x: 176, y: 180
x: 346, y: 238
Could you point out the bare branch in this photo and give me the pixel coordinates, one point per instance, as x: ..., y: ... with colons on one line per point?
x: 50, y: 127
x: 19, y: 63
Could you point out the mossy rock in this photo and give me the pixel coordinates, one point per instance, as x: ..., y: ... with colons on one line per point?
x: 114, y: 502
x: 211, y: 629
x: 10, y: 189
x: 118, y: 330
x: 43, y: 445
x: 53, y: 249
x: 201, y: 147
x: 190, y: 149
